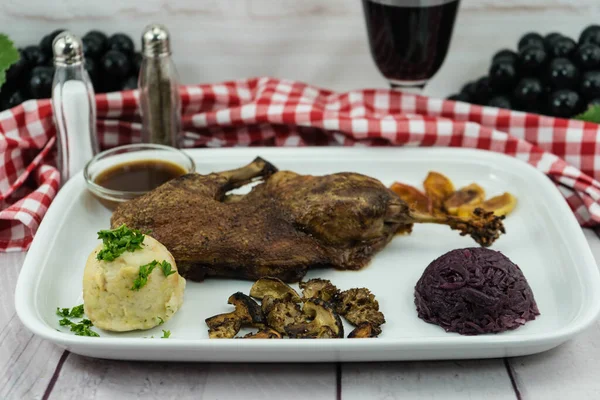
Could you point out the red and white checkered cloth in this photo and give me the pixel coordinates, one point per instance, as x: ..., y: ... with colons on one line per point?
x: 272, y: 112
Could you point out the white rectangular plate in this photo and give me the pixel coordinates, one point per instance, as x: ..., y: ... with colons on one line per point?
x: 542, y: 237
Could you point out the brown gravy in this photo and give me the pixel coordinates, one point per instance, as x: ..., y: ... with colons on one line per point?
x: 139, y: 176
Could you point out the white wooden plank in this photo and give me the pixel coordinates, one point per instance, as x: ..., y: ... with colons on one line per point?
x: 322, y: 43
x: 86, y: 378
x: 447, y: 380
x: 569, y: 371
x: 26, y: 362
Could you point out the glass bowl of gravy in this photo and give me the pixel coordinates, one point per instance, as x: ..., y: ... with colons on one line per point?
x: 125, y: 172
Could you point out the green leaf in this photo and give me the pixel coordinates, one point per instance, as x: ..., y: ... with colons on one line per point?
x: 592, y: 114
x: 8, y: 56
x: 166, y: 334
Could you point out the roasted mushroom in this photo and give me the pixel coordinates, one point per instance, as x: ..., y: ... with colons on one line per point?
x: 266, y: 333
x: 282, y: 314
x: 323, y: 322
x: 274, y: 288
x: 267, y: 304
x: 319, y: 289
x: 365, y: 330
x: 247, y: 313
x: 223, y: 326
x: 358, y: 306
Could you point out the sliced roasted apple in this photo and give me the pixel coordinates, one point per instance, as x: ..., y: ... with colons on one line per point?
x: 467, y: 196
x: 438, y: 188
x: 499, y: 205
x: 413, y: 197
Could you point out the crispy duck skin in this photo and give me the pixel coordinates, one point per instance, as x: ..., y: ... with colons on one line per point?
x: 285, y: 225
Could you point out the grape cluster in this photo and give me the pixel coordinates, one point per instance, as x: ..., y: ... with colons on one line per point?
x: 551, y: 75
x: 111, y: 62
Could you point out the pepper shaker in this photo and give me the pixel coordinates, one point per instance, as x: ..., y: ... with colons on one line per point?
x: 160, y: 101
x: 73, y: 105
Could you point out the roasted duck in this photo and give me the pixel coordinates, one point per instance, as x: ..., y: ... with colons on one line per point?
x: 285, y: 225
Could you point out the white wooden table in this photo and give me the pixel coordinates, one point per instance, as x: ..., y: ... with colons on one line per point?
x: 320, y: 42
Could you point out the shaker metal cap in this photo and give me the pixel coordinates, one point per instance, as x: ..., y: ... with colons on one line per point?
x: 67, y: 49
x: 155, y: 41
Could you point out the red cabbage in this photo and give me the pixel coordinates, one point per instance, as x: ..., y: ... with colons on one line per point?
x: 473, y: 291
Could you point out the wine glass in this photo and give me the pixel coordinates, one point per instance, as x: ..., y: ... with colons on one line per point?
x: 409, y: 39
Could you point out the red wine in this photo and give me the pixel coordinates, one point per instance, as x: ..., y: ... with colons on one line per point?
x: 409, y: 39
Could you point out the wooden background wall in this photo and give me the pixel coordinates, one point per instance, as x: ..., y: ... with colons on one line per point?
x: 317, y: 41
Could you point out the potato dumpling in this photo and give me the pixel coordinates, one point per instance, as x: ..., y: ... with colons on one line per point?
x: 110, y: 301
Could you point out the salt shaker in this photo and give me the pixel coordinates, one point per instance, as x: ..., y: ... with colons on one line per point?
x: 159, y: 89
x: 73, y: 105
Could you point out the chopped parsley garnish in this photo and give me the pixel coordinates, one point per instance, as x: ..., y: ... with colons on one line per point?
x: 166, y: 268
x: 62, y: 312
x: 142, y: 278
x: 83, y: 329
x: 146, y: 270
x: 75, y: 312
x: 160, y: 321
x: 166, y: 334
x: 80, y: 329
x: 118, y: 241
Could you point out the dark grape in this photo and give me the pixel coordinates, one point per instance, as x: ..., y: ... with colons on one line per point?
x: 483, y: 90
x: 503, y: 76
x: 594, y: 102
x: 562, y: 47
x: 132, y: 83
x: 40, y: 83
x: 136, y: 61
x: 107, y: 84
x: 591, y: 34
x: 46, y: 43
x: 505, y: 55
x: 91, y: 68
x: 14, y: 100
x: 531, y: 38
x: 92, y: 47
x: 532, y: 59
x: 500, y: 102
x: 121, y: 42
x: 99, y: 36
x: 587, y: 56
x: 460, y: 97
x: 469, y: 89
x: 590, y: 85
x: 18, y: 70
x: 528, y: 94
x: 115, y: 64
x: 564, y: 103
x: 562, y: 74
x: 549, y: 40
x: 34, y: 56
